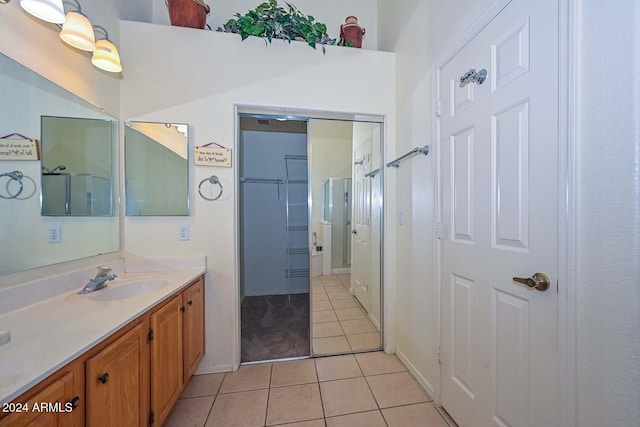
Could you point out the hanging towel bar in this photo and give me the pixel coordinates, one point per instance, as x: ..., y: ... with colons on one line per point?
x: 396, y: 163
x: 372, y: 173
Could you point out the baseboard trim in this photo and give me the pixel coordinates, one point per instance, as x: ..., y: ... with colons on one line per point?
x: 421, y: 380
x: 218, y: 369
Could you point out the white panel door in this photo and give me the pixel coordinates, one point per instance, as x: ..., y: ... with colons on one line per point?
x: 499, y: 146
x: 361, y: 224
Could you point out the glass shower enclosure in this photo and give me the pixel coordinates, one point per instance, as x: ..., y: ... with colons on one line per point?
x: 337, y: 212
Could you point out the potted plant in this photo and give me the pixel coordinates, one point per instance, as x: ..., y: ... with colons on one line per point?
x: 188, y: 13
x: 270, y: 21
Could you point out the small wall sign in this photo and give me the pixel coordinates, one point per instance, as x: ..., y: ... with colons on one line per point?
x: 212, y: 156
x: 19, y: 148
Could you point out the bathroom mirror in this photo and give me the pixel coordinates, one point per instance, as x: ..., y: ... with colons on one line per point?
x: 76, y: 166
x: 27, y: 97
x: 156, y: 169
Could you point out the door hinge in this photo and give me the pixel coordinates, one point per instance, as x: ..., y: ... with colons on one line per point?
x: 439, y: 360
x: 439, y: 231
x: 150, y: 336
x: 152, y: 417
x: 438, y: 108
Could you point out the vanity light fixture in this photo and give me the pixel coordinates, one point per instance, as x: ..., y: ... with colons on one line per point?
x: 47, y: 10
x: 106, y: 56
x: 4, y: 1
x: 77, y: 31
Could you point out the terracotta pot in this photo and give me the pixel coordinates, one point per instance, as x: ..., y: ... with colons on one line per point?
x: 350, y: 31
x: 188, y: 13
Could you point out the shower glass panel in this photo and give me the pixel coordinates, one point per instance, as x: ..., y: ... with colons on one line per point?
x: 338, y: 212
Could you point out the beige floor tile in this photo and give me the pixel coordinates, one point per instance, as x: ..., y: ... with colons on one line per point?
x: 334, y: 296
x: 322, y: 305
x: 421, y: 415
x: 345, y: 303
x: 361, y: 342
x: 293, y: 373
x: 358, y: 326
x: 244, y: 409
x: 396, y: 389
x: 333, y: 284
x: 339, y: 289
x: 331, y: 345
x: 313, y: 423
x: 324, y: 316
x: 379, y: 363
x: 362, y: 419
x: 330, y: 280
x: 349, y: 396
x: 319, y: 297
x: 248, y: 377
x: 316, y: 281
x: 337, y: 368
x: 327, y: 329
x: 202, y: 385
x: 190, y: 412
x: 350, y: 314
x: 294, y: 403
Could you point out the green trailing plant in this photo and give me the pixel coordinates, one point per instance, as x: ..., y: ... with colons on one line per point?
x: 270, y: 21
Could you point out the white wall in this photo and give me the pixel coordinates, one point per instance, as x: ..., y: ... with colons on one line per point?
x: 330, y: 12
x: 201, y: 76
x: 608, y: 180
x: 418, y: 32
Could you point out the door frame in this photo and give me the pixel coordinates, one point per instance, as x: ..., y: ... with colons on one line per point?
x: 387, y: 319
x: 567, y: 189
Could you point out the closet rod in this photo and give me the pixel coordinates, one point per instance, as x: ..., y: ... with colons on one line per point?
x: 261, y: 180
x: 396, y: 163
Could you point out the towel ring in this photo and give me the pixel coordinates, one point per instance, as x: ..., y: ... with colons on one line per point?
x: 33, y: 183
x: 13, y: 176
x: 213, y: 180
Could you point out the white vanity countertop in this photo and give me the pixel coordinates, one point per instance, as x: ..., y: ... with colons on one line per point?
x: 47, y: 335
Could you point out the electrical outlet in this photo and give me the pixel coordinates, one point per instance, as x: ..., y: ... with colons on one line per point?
x: 183, y: 232
x: 55, y: 235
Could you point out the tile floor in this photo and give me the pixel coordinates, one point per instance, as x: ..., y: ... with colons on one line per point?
x: 339, y: 323
x: 362, y: 390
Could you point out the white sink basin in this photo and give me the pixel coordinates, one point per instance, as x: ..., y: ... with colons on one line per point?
x: 128, y: 290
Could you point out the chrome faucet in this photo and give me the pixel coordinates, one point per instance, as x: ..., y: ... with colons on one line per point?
x: 98, y: 282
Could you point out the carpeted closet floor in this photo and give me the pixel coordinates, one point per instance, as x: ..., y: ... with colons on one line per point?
x: 274, y: 327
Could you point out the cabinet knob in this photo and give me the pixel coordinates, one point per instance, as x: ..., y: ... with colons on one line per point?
x: 182, y: 309
x: 74, y: 402
x: 104, y: 378
x: 190, y: 303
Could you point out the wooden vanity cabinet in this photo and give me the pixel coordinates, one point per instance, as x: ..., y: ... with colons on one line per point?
x: 193, y: 327
x: 166, y: 358
x: 58, y: 401
x: 117, y: 381
x: 133, y: 378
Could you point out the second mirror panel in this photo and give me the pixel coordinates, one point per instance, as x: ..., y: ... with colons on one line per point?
x: 156, y: 169
x: 346, y: 218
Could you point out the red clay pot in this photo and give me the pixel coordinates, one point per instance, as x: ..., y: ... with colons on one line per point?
x: 188, y: 13
x: 350, y: 31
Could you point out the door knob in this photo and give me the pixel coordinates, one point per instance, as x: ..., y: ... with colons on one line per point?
x: 539, y: 281
x: 354, y: 232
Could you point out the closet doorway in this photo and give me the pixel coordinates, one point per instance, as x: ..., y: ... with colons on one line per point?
x: 310, y: 215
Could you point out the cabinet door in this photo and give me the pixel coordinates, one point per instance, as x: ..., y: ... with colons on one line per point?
x: 193, y: 327
x: 117, y: 382
x: 166, y: 358
x: 59, y: 404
